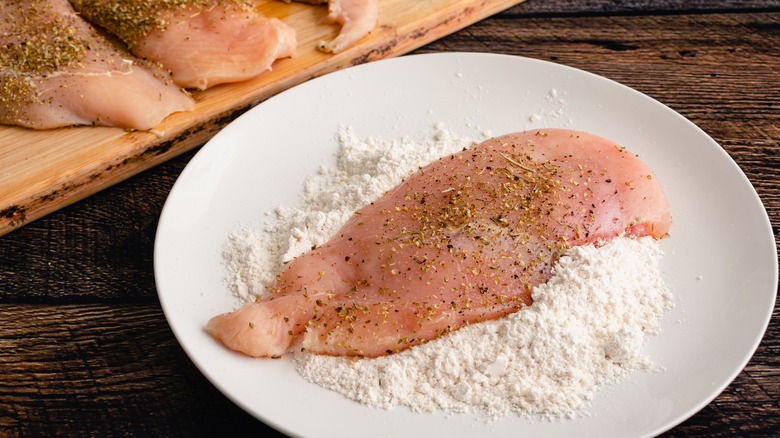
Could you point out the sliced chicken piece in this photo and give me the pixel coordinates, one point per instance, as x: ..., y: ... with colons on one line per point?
x: 463, y: 240
x: 356, y: 17
x: 56, y: 70
x: 203, y: 43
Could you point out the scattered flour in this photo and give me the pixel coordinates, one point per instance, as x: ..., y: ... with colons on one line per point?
x: 585, y: 329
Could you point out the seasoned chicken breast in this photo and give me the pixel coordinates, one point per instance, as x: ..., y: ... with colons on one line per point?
x: 465, y: 239
x: 202, y: 42
x: 56, y: 70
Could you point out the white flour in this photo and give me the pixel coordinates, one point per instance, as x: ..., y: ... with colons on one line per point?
x: 585, y: 329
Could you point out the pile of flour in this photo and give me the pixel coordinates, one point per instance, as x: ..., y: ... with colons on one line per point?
x: 585, y: 329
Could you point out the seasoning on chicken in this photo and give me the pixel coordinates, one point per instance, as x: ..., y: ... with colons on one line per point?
x: 463, y: 240
x: 56, y: 71
x: 202, y: 42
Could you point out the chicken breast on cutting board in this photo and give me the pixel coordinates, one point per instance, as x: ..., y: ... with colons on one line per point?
x: 356, y: 17
x: 202, y: 42
x: 56, y: 70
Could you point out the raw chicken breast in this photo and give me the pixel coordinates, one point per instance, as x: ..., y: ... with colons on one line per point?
x: 56, y: 70
x: 356, y: 17
x: 202, y: 42
x: 463, y: 240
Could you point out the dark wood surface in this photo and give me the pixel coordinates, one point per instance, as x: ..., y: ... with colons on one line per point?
x: 86, y: 350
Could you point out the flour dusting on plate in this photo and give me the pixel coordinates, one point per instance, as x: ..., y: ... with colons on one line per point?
x: 586, y: 328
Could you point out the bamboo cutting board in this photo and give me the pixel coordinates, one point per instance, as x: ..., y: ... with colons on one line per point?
x: 42, y: 171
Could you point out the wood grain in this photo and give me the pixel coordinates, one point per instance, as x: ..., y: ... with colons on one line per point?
x: 86, y: 351
x: 78, y: 376
x: 43, y: 171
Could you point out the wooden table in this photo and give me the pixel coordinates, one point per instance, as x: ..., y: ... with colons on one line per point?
x: 86, y: 350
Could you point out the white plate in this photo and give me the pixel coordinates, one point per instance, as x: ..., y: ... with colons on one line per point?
x: 720, y: 259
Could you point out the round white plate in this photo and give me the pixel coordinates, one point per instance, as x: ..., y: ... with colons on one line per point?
x: 721, y: 259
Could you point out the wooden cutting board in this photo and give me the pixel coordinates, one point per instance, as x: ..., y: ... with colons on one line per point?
x: 42, y: 171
